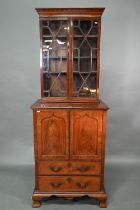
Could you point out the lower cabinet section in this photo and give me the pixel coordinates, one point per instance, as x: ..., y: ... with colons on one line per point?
x: 69, y: 152
x: 69, y: 167
x: 69, y: 183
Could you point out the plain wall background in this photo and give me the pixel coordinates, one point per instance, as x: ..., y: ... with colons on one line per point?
x: 20, y: 79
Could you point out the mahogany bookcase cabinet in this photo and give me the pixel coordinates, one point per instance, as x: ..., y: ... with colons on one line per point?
x: 69, y: 119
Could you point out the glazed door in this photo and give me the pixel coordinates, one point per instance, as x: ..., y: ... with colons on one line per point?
x: 52, y: 134
x: 86, y: 134
x: 54, y: 57
x: 85, y: 54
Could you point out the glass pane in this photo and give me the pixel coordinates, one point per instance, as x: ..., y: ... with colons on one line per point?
x: 85, y: 26
x: 54, y: 55
x: 85, y: 41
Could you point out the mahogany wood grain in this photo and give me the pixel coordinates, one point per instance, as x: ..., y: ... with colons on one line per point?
x: 69, y: 168
x: 42, y: 105
x: 91, y: 121
x: 69, y: 183
x: 101, y: 196
x: 85, y: 134
x: 53, y: 135
x: 86, y: 12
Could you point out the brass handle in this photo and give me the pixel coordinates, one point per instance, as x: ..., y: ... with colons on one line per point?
x: 84, y: 169
x: 82, y: 185
x: 56, y: 184
x: 55, y: 169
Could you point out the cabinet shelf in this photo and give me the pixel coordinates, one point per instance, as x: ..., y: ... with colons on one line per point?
x: 91, y: 72
x: 76, y: 48
x: 57, y: 72
x: 52, y: 36
x: 63, y: 57
x: 83, y: 36
x: 74, y: 72
x: 75, y: 26
x: 57, y: 57
x: 84, y: 57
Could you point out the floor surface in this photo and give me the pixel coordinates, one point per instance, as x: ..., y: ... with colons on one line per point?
x: 122, y: 185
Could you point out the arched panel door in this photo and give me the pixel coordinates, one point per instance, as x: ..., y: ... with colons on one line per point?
x: 52, y: 134
x: 86, y: 134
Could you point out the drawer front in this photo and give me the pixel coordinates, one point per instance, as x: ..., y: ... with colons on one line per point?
x: 69, y: 183
x: 76, y: 168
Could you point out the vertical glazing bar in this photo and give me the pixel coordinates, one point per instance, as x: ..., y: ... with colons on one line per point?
x: 91, y: 60
x: 98, y: 58
x: 41, y: 66
x: 70, y: 60
x: 79, y: 60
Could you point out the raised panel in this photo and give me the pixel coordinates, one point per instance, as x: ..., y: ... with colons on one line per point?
x: 86, y: 134
x: 52, y: 134
x: 86, y: 142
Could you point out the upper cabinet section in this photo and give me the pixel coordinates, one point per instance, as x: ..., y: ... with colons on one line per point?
x: 70, y: 53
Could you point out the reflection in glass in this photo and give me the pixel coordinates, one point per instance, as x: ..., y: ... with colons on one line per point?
x: 54, y: 55
x: 85, y: 40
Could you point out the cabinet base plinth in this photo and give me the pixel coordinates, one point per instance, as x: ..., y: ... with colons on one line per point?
x: 100, y: 196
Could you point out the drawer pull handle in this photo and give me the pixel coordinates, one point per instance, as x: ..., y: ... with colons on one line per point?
x: 84, y: 169
x: 55, y: 169
x: 82, y: 185
x: 56, y: 185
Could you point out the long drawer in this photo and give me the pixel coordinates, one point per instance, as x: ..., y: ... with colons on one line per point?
x: 69, y: 183
x: 64, y: 167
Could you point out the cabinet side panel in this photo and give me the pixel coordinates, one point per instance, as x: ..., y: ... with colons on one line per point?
x: 103, y: 149
x: 35, y: 148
